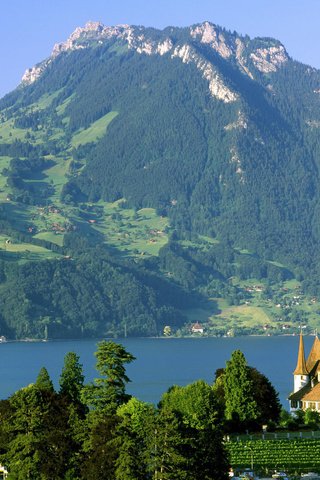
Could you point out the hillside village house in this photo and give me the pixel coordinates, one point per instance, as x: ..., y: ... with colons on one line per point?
x: 306, y: 393
x: 197, y: 328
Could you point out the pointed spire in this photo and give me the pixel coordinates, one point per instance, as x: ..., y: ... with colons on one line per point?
x: 314, y: 355
x: 301, y: 368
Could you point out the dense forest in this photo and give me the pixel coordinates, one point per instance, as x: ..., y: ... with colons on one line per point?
x: 90, y: 295
x: 221, y: 144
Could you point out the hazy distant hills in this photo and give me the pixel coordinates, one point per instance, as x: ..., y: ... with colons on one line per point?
x: 216, y: 132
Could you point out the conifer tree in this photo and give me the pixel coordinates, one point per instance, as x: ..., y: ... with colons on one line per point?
x: 72, y: 378
x: 109, y: 391
x: 44, y: 381
x: 240, y: 405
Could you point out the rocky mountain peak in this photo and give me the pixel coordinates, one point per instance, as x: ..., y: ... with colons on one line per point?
x: 82, y: 36
x: 267, y: 56
x: 268, y: 59
x: 210, y: 34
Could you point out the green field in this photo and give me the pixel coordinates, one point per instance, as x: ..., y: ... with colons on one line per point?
x: 62, y: 107
x: 46, y: 100
x: 244, y: 316
x: 9, y: 133
x: 94, y: 132
x: 221, y: 318
x: 11, y: 248
x: 57, y: 175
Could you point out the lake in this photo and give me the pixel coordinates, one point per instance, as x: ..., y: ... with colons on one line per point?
x: 159, y: 362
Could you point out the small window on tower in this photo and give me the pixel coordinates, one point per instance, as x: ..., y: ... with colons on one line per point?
x: 301, y: 377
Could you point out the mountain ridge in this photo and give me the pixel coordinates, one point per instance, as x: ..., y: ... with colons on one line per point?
x: 265, y: 59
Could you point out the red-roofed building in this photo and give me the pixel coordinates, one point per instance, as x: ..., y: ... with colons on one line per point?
x: 197, y: 328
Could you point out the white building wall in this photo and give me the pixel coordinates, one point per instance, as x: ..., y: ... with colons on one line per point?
x: 300, y: 381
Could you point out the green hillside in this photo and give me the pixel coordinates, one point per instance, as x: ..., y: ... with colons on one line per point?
x: 182, y: 162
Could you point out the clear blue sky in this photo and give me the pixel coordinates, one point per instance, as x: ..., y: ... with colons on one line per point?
x: 29, y: 28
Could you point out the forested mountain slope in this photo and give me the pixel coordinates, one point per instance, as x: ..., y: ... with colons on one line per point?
x: 215, y: 131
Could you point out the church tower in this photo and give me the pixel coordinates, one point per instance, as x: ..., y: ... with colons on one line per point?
x: 301, y: 377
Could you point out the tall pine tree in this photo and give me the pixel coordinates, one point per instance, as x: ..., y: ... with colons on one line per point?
x: 240, y: 406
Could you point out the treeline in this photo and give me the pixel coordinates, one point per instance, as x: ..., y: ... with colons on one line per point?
x: 20, y: 174
x: 37, y: 119
x: 209, y: 266
x: 87, y: 295
x: 97, y: 431
x: 25, y: 149
x: 92, y: 293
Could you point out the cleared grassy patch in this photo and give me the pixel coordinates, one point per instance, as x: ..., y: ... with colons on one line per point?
x: 9, y: 133
x: 276, y: 264
x: 26, y: 251
x: 57, y: 175
x: 94, y: 132
x: 222, y: 303
x: 46, y: 99
x: 62, y: 107
x: 51, y: 237
x: 247, y: 316
x: 291, y: 284
x: 210, y: 240
x: 231, y: 317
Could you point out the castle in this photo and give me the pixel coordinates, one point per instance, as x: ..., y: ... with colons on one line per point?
x: 306, y: 393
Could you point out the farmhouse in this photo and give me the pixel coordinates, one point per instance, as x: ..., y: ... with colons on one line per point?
x: 197, y: 328
x: 306, y: 393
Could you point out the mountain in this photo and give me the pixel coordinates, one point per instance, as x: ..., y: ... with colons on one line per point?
x: 127, y: 138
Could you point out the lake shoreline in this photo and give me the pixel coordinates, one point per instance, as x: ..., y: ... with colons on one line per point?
x: 159, y: 364
x: 160, y: 337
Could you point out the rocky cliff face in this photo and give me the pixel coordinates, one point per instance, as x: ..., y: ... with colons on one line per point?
x: 266, y: 59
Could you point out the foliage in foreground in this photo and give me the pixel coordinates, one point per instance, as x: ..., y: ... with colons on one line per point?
x: 97, y: 431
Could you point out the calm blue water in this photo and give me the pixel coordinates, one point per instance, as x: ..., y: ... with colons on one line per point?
x: 160, y: 363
